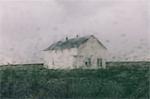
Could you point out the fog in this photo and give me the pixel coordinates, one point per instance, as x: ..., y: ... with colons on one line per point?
x: 29, y: 26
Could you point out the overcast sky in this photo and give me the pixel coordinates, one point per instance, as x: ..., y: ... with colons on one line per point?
x: 29, y: 26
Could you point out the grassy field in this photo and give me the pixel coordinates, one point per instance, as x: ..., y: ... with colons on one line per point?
x: 130, y: 82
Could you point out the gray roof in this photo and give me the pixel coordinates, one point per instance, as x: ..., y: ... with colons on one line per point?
x: 70, y: 43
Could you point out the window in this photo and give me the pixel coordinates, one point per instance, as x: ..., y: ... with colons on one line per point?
x: 53, y: 63
x: 99, y: 62
x: 75, y: 56
x: 88, y: 62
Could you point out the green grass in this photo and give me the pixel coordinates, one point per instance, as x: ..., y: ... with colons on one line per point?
x: 112, y: 83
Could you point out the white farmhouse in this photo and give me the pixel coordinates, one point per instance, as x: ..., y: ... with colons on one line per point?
x: 80, y: 52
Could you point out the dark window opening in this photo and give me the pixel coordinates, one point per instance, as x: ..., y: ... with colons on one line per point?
x: 88, y: 62
x: 99, y: 62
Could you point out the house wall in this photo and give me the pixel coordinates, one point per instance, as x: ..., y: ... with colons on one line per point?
x: 76, y: 57
x: 60, y: 59
x: 93, y: 50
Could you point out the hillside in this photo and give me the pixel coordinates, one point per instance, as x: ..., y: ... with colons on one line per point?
x: 113, y: 83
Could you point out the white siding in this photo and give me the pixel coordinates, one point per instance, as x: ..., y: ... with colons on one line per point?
x: 93, y: 50
x: 76, y: 57
x: 60, y: 59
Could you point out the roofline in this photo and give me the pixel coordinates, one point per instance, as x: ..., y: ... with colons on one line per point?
x: 86, y: 41
x: 99, y: 42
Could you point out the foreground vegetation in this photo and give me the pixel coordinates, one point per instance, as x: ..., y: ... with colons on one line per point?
x: 40, y: 83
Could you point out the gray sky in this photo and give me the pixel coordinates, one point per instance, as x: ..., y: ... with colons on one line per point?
x: 29, y: 26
